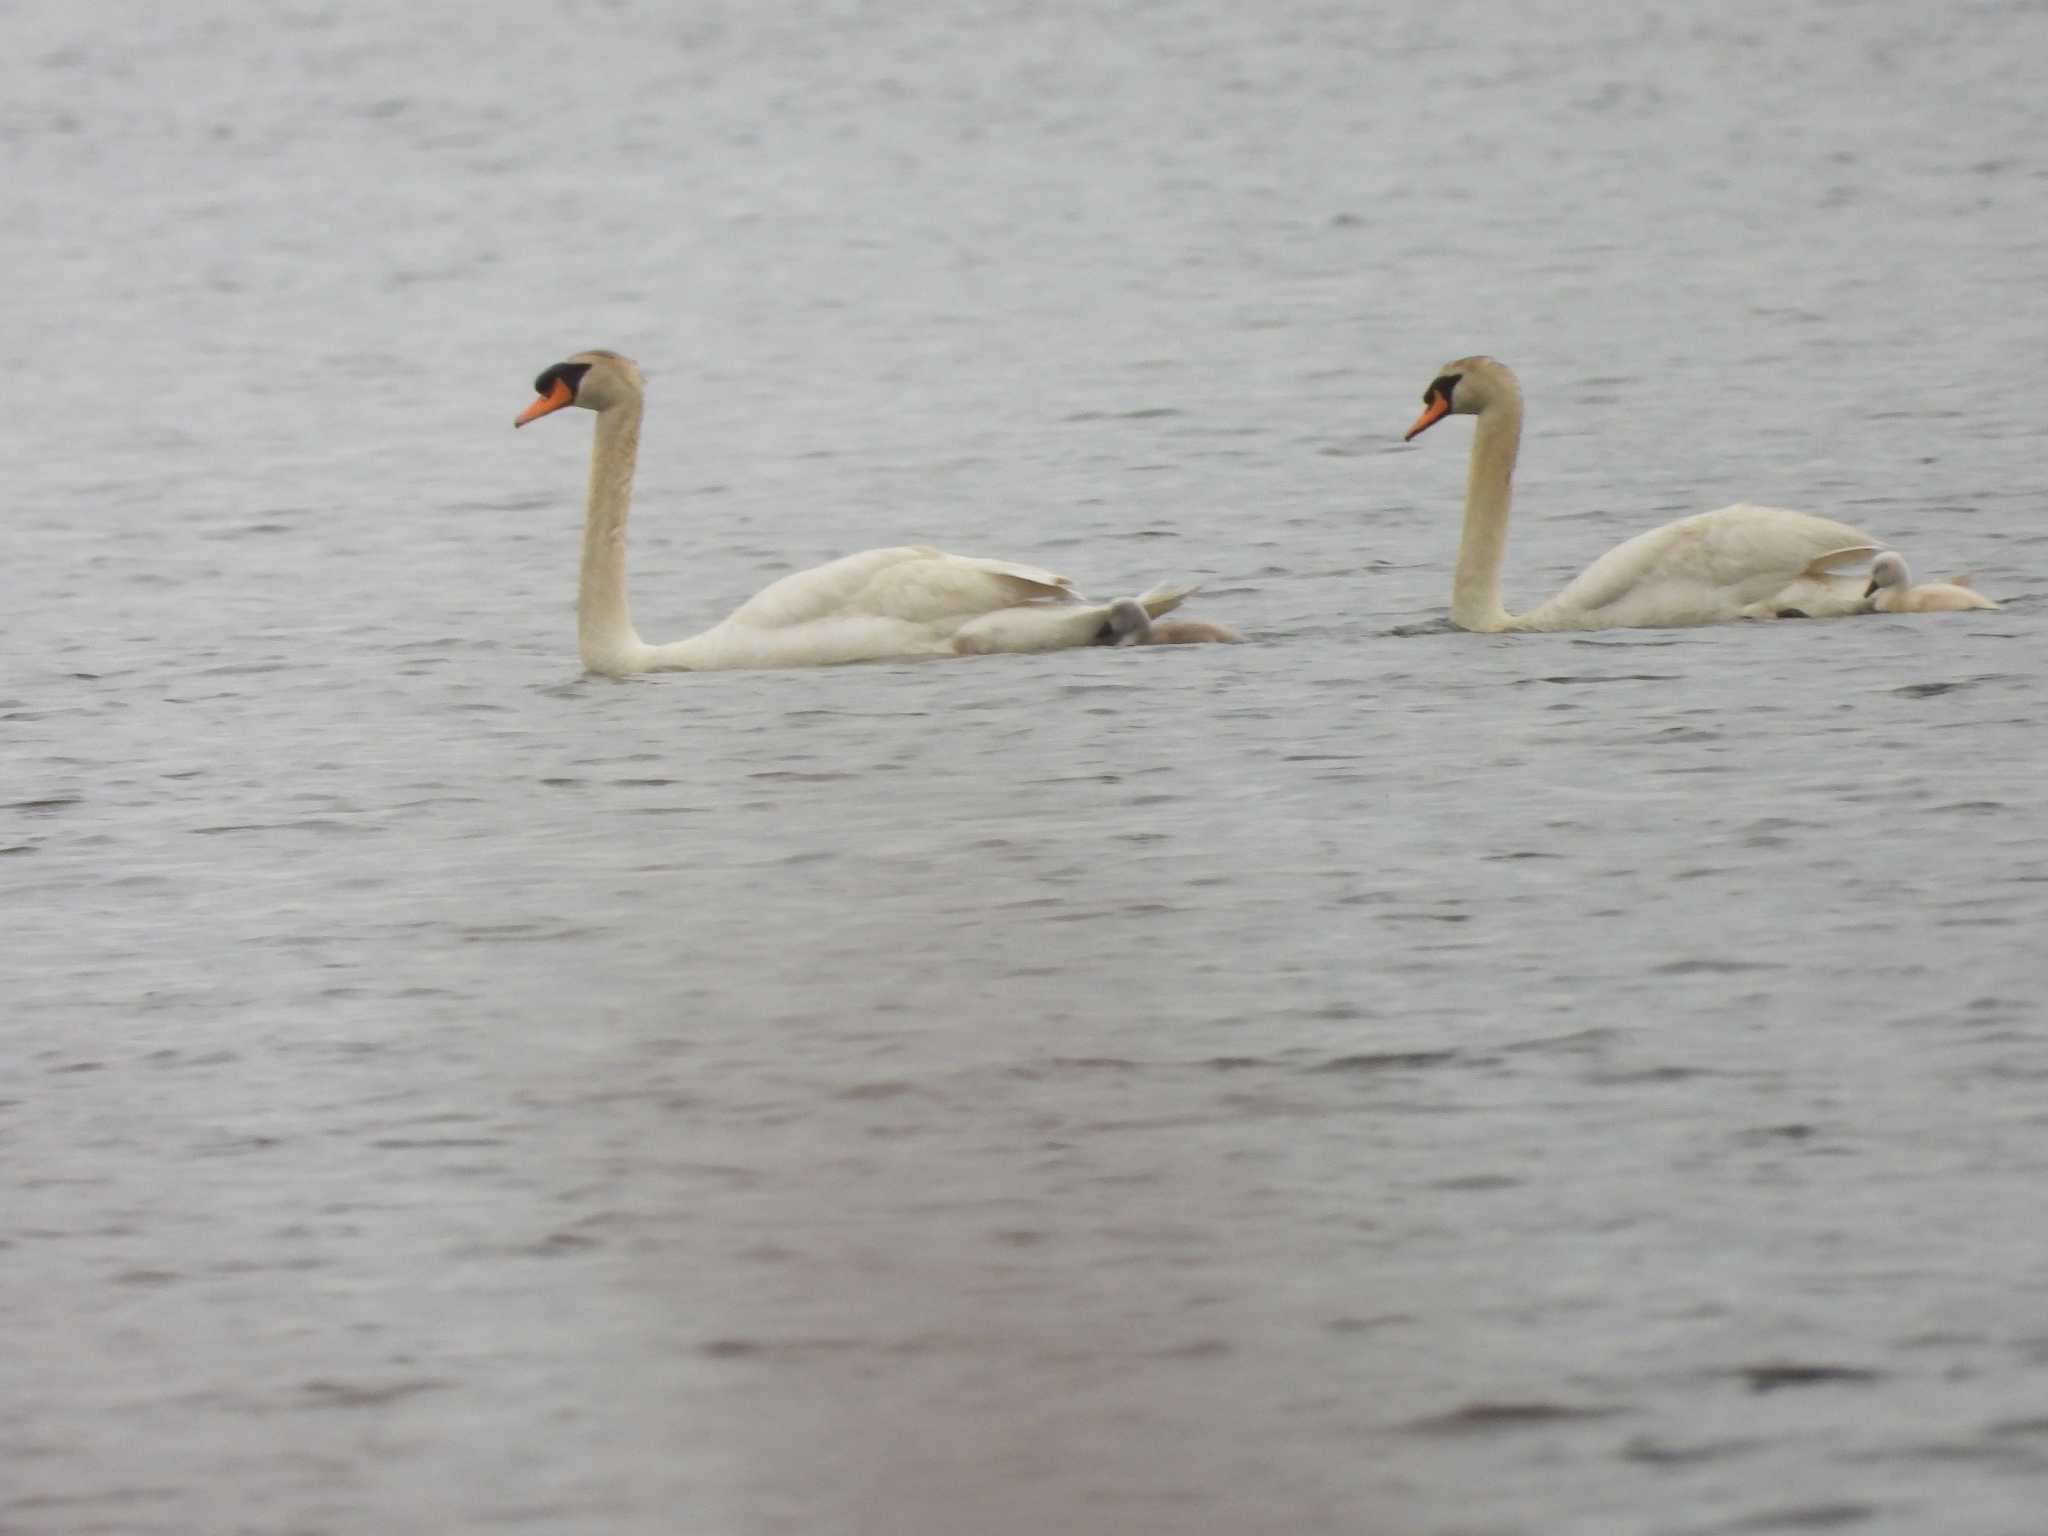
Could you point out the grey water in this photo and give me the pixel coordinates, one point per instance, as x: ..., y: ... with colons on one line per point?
x: 1372, y: 1079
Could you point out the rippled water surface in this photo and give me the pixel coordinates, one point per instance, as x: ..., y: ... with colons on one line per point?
x: 1374, y: 1079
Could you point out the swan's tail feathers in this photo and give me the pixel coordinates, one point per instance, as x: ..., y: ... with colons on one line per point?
x: 1848, y: 554
x: 1167, y: 596
x: 1127, y: 623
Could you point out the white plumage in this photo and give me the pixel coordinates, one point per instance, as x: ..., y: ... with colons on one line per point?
x: 1742, y: 562
x: 882, y: 603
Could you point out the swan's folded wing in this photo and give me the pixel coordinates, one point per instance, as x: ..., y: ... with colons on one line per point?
x: 913, y: 583
x: 1042, y: 582
x: 943, y: 589
x: 1709, y: 566
x: 1167, y: 596
x: 827, y: 591
x: 1848, y: 554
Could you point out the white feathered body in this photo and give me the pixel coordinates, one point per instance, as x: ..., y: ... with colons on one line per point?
x: 901, y: 603
x: 906, y: 602
x: 1741, y: 562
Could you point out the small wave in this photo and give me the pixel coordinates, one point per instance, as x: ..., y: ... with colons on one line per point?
x: 1581, y: 679
x: 1489, y: 1418
x: 1577, y: 1042
x: 1808, y: 1517
x: 1774, y: 1375
x: 1713, y: 966
x: 1661, y: 1453
x: 1640, y: 1075
x: 355, y: 1394
x: 1387, y: 1061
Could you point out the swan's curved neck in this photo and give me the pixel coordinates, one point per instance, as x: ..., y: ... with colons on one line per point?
x: 1489, y: 482
x: 604, y: 619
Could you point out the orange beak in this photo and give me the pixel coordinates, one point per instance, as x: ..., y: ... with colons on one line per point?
x: 552, y: 401
x: 1435, y: 407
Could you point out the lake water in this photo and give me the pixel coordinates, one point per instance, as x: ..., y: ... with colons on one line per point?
x: 1373, y: 1079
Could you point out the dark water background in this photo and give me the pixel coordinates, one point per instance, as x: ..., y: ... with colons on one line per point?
x: 1352, y: 1082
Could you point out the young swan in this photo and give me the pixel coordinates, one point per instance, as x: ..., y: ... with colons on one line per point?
x: 1891, y: 590
x: 1129, y: 624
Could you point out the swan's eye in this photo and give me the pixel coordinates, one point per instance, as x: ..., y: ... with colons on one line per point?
x: 568, y: 375
x: 1443, y: 384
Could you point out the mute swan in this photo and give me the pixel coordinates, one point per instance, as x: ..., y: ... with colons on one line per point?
x: 878, y: 604
x: 1129, y: 624
x: 1742, y: 562
x: 1892, y: 591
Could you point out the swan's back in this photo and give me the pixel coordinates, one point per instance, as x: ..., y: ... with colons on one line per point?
x: 911, y: 583
x: 1701, y: 569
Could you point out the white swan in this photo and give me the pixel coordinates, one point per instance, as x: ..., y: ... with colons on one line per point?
x: 1891, y: 590
x: 878, y: 604
x: 1742, y: 562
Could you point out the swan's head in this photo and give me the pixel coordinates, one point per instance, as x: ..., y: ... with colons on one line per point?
x: 1464, y: 388
x: 1127, y: 623
x: 1888, y: 570
x: 594, y: 380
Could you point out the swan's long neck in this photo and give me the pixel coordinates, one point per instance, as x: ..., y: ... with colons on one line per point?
x: 1475, y: 587
x: 604, y: 618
